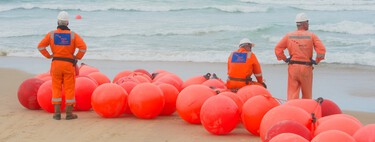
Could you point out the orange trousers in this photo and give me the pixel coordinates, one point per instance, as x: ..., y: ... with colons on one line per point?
x: 63, y: 78
x: 300, y: 78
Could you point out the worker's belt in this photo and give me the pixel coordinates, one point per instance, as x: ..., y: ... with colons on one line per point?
x: 247, y: 80
x: 73, y: 61
x: 300, y: 62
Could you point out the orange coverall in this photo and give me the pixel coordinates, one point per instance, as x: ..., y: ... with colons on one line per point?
x: 241, y: 65
x: 63, y: 44
x: 300, y: 44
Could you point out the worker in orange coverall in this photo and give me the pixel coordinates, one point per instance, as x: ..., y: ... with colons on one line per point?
x: 300, y: 45
x: 63, y: 44
x: 241, y: 65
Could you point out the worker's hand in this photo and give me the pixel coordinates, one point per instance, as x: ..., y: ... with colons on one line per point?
x: 264, y: 85
x: 287, y: 60
x: 313, y: 62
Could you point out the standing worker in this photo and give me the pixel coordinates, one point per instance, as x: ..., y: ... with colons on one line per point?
x: 63, y: 43
x: 300, y: 44
x: 241, y: 65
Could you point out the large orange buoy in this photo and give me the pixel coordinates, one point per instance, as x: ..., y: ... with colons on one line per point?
x: 253, y: 111
x: 288, y: 137
x: 84, y: 88
x: 170, y: 80
x: 288, y: 126
x: 324, y: 119
x: 27, y: 93
x: 44, y: 76
x: 109, y: 100
x: 99, y: 77
x: 190, y: 101
x: 309, y: 105
x: 196, y: 80
x: 249, y: 91
x: 283, y: 112
x: 215, y: 83
x: 156, y: 75
x: 365, y: 134
x: 121, y: 74
x: 85, y: 69
x: 128, y: 83
x: 329, y: 108
x: 146, y: 101
x: 170, y: 97
x: 333, y: 136
x: 219, y: 115
x: 144, y: 72
x: 44, y: 97
x: 235, y: 98
x: 343, y: 124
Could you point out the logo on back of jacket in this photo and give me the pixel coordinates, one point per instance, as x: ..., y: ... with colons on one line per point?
x: 239, y: 57
x: 62, y: 39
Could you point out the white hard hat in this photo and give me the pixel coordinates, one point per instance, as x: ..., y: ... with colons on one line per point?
x: 246, y: 40
x: 63, y: 16
x: 301, y: 17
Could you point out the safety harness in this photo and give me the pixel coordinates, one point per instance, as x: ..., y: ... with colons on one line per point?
x: 73, y: 61
x: 247, y: 80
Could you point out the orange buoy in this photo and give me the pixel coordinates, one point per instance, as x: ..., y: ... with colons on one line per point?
x: 329, y: 108
x: 283, y: 112
x: 160, y: 74
x: 84, y: 88
x: 235, y: 98
x: 324, y: 119
x: 44, y: 76
x: 343, y: 124
x: 219, y: 115
x: 142, y: 78
x: 109, y: 100
x: 215, y: 83
x: 190, y: 101
x: 78, y: 17
x: 365, y: 134
x: 249, y: 91
x: 309, y: 105
x: 121, y: 74
x: 288, y: 126
x: 44, y: 97
x: 146, y: 101
x: 170, y: 96
x: 85, y: 69
x: 99, y: 77
x: 333, y: 136
x: 128, y: 83
x: 253, y: 111
x: 143, y: 71
x: 288, y: 137
x: 196, y: 80
x: 170, y: 80
x: 27, y: 93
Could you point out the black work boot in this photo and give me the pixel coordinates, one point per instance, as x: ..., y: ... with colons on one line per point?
x: 57, y: 114
x: 69, y: 113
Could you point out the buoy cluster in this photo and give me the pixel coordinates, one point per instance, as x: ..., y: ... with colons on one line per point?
x: 201, y: 99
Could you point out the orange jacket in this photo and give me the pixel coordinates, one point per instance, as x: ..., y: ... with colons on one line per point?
x: 300, y: 46
x: 60, y: 45
x: 242, y: 63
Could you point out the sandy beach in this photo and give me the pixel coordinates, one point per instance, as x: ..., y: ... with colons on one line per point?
x: 351, y: 87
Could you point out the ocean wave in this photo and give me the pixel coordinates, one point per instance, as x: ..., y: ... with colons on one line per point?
x: 348, y: 27
x: 138, y: 7
x: 174, y: 32
x: 322, y: 5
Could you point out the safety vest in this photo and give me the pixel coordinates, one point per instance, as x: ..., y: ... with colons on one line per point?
x: 242, y: 64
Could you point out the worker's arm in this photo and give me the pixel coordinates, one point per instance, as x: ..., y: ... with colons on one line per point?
x: 280, y: 47
x: 319, y: 48
x: 43, y: 45
x: 81, y: 45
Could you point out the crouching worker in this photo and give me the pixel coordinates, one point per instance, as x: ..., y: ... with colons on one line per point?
x: 63, y: 44
x: 241, y: 65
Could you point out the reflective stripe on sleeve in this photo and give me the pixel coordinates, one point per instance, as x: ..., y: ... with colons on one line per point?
x: 320, y: 56
x: 257, y: 75
x: 72, y: 35
x: 82, y: 50
x: 41, y: 48
x: 51, y: 34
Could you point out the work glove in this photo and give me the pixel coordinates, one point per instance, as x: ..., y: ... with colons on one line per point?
x: 264, y: 85
x: 313, y: 62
